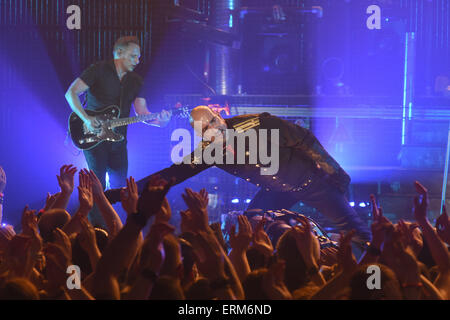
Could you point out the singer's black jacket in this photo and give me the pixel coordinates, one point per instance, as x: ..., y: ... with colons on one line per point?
x: 301, y: 158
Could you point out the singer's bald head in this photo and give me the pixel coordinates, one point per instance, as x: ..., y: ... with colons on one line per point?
x: 205, y: 118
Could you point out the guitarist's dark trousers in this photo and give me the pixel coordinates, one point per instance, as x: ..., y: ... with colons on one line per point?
x: 112, y: 158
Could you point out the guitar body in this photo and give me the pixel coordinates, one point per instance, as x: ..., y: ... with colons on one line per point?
x: 85, y: 139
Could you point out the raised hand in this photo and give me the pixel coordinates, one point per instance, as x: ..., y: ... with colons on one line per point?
x: 241, y: 241
x: 443, y: 226
x: 62, y: 240
x: 165, y: 213
x: 28, y: 221
x: 152, y: 197
x: 55, y: 271
x: 152, y: 255
x: 406, y: 232
x: 204, y: 196
x: 129, y: 196
x: 97, y: 188
x: 400, y: 259
x: 420, y: 203
x: 380, y: 224
x: 209, y: 256
x: 376, y: 211
x: 307, y: 242
x: 346, y: 259
x: 197, y: 213
x: 186, y: 224
x: 2, y: 180
x: 50, y: 200
x: 65, y: 178
x: 85, y: 194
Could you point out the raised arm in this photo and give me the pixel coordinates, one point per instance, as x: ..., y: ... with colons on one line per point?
x: 118, y: 256
x: 438, y: 249
x: 180, y: 172
x: 66, y: 183
x: 380, y: 225
x: 239, y: 246
x: 112, y: 219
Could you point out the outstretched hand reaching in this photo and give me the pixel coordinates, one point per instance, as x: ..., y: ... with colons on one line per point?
x: 129, y: 196
x: 346, y: 259
x: 420, y: 203
x: 241, y: 241
x: 65, y: 178
x: 196, y: 217
x: 380, y: 224
x: 261, y: 240
x: 85, y: 195
x: 152, y: 197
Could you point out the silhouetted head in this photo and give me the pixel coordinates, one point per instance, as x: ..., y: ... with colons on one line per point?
x: 50, y: 220
x: 295, y: 274
x: 18, y: 289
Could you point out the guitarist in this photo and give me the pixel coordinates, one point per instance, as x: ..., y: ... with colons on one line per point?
x: 106, y: 83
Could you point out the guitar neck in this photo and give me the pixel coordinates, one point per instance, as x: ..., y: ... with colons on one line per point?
x: 126, y: 121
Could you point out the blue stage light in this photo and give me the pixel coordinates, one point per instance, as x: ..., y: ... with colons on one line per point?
x: 362, y: 204
x: 351, y: 203
x: 235, y: 200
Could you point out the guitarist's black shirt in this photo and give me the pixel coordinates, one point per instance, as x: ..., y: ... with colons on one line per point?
x: 106, y: 89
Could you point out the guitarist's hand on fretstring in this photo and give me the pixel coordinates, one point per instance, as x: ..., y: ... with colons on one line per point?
x: 92, y: 123
x: 164, y: 117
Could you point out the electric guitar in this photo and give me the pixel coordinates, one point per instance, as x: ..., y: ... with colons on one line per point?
x: 85, y: 139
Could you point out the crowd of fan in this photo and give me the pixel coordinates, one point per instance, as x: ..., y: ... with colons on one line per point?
x: 121, y: 262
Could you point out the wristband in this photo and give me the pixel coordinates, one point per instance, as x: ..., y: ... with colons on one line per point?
x: 138, y: 218
x: 373, y: 251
